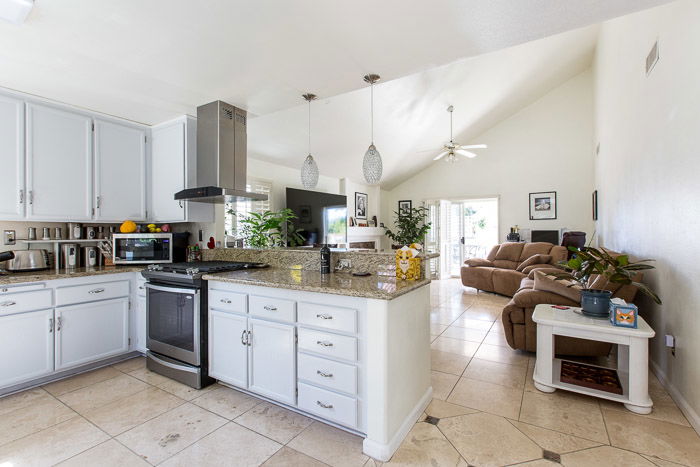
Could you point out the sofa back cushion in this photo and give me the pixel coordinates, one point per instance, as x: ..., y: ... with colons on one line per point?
x: 536, y: 248
x: 492, y: 254
x: 510, y: 252
x: 546, y: 283
x: 534, y: 260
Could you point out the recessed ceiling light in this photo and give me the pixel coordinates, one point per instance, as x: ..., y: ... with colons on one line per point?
x: 15, y: 11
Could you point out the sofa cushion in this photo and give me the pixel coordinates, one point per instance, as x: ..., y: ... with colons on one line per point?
x: 568, y: 289
x: 530, y: 298
x: 505, y: 264
x: 506, y: 281
x: 492, y: 254
x: 479, y: 278
x: 534, y: 259
x: 510, y: 252
x: 536, y: 248
x: 543, y: 268
x: 476, y: 262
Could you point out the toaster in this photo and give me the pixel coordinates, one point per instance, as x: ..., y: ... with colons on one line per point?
x: 28, y: 260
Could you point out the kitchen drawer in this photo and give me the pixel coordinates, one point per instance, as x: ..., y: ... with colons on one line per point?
x: 327, y: 373
x: 329, y: 405
x: 91, y: 292
x: 5, y: 289
x: 11, y: 303
x: 228, y: 301
x: 277, y: 309
x: 329, y: 317
x: 331, y: 345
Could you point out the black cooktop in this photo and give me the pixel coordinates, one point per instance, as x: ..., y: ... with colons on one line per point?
x: 209, y: 266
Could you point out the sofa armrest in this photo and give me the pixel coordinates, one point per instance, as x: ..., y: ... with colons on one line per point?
x: 545, y: 268
x: 530, y: 298
x: 478, y: 262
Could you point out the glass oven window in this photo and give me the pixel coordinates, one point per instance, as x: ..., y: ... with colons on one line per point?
x: 171, y: 318
x: 143, y: 249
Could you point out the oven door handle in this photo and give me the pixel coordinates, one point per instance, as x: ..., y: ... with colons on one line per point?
x: 172, y: 289
x: 160, y: 361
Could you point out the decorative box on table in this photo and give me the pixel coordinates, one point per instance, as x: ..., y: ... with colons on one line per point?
x: 408, y: 263
x: 623, y: 314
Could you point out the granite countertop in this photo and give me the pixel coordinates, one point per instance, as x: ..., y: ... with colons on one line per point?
x: 374, y: 286
x: 52, y: 274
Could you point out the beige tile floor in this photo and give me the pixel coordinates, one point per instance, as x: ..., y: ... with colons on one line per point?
x: 485, y: 411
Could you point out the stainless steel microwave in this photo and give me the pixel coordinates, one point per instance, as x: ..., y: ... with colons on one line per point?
x: 142, y: 248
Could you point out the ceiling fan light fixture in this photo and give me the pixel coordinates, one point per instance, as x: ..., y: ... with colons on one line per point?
x: 309, y: 169
x: 372, y: 166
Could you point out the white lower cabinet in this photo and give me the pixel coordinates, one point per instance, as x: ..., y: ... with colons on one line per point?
x: 273, y: 360
x: 91, y: 331
x: 140, y: 331
x: 228, y: 350
x: 26, y: 343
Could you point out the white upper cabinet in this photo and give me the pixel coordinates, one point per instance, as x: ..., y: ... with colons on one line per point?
x: 59, y: 164
x: 120, y: 172
x: 12, y: 192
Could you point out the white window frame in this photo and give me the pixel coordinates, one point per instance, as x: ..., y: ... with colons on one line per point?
x: 253, y: 185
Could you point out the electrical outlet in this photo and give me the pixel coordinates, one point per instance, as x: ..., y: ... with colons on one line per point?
x: 344, y: 264
x: 671, y: 343
x: 9, y: 237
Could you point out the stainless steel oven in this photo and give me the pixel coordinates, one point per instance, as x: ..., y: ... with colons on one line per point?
x: 142, y: 248
x: 174, y: 322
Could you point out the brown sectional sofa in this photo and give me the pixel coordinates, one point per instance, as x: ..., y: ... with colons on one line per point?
x: 502, y: 270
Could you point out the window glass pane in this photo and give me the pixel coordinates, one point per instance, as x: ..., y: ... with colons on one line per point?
x: 242, y: 208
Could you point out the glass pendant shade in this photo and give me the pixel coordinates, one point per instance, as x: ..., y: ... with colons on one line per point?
x: 309, y: 173
x: 372, y: 165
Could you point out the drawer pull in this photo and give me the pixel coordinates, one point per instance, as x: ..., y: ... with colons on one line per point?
x: 96, y: 291
x: 325, y: 343
x: 324, y: 406
x: 225, y: 300
x: 324, y: 316
x: 59, y: 323
x: 50, y: 324
x: 243, y: 336
x: 270, y: 308
x: 8, y: 303
x: 325, y: 375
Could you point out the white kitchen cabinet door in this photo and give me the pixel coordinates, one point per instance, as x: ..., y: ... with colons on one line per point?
x: 91, y: 331
x: 59, y: 164
x: 120, y: 172
x: 12, y: 194
x: 228, y: 352
x: 139, y: 339
x: 273, y: 360
x: 26, y: 343
x: 167, y: 171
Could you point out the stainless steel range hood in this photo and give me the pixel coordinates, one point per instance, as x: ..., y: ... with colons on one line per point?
x: 222, y: 144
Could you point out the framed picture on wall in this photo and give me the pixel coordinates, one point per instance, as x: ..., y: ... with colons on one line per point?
x: 543, y: 205
x: 360, y: 205
x: 595, y: 205
x: 405, y: 205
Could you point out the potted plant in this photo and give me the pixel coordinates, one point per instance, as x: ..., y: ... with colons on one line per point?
x: 411, y: 227
x: 270, y: 229
x: 588, y: 261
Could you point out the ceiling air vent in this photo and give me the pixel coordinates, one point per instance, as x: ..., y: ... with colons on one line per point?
x: 652, y: 57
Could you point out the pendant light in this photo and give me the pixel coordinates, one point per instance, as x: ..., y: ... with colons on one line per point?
x: 372, y: 163
x: 309, y: 170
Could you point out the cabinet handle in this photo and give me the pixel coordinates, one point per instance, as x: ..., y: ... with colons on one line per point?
x: 247, y: 339
x: 325, y: 375
x: 243, y: 334
x: 31, y: 196
x: 270, y: 308
x: 180, y: 204
x: 325, y: 343
x: 50, y: 324
x: 95, y: 291
x: 324, y: 316
x: 141, y: 287
x: 324, y: 406
x: 21, y: 196
x: 59, y: 323
x: 225, y: 300
x: 8, y: 303
x: 99, y: 202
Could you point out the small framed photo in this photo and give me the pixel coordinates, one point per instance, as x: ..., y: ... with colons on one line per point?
x: 405, y: 205
x: 360, y: 205
x: 595, y: 205
x: 543, y: 205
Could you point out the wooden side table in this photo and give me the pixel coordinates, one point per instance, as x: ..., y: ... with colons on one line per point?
x: 632, y: 354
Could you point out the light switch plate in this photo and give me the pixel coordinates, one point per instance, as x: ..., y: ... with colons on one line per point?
x: 9, y: 237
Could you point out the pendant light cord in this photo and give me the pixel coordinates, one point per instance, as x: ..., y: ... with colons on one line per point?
x: 371, y: 100
x: 451, y: 112
x: 309, y: 127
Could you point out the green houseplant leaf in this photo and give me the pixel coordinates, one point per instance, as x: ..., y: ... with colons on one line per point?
x: 411, y: 226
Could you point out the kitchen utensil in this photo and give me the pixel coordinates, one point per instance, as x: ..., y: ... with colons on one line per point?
x: 58, y: 233
x: 6, y: 256
x: 90, y: 232
x: 46, y: 233
x: 31, y: 233
x: 91, y: 257
x: 28, y: 260
x: 101, y: 231
x: 70, y: 256
x: 75, y: 231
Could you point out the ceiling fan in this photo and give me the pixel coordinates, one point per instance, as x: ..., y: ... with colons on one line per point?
x: 451, y: 149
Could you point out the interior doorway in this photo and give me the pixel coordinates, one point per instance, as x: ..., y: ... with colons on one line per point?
x: 462, y: 229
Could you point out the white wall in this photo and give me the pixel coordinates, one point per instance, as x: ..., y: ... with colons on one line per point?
x: 546, y: 146
x: 349, y: 188
x: 647, y: 173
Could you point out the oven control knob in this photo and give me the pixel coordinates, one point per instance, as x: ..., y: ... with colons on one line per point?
x: 155, y: 267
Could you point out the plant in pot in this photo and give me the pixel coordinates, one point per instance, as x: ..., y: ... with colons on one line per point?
x: 411, y: 227
x: 588, y: 261
x: 269, y: 229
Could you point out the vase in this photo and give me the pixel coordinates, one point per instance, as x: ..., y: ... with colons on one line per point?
x: 595, y: 303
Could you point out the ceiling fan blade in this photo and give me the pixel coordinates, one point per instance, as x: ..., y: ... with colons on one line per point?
x: 464, y: 153
x: 473, y: 146
x: 441, y: 155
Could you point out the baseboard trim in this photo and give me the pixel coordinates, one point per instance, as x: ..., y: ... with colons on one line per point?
x: 383, y: 452
x: 677, y: 397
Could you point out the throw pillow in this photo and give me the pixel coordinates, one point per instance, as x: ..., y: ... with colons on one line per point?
x: 546, y: 283
x: 539, y: 268
x: 534, y: 259
x: 475, y: 262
